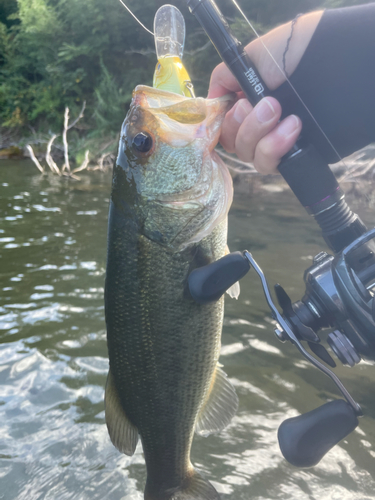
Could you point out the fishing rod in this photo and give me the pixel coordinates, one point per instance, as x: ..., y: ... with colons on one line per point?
x: 339, y: 287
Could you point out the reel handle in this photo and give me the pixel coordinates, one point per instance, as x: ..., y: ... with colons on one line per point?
x: 209, y: 283
x: 305, y: 439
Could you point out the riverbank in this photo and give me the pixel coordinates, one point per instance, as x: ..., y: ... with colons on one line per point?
x: 53, y: 149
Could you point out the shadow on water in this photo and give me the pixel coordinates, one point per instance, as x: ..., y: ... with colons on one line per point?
x: 53, y: 355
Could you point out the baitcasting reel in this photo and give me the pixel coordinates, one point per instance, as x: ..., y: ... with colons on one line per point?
x: 339, y: 288
x: 338, y: 296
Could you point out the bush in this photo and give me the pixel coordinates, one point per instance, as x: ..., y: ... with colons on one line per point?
x: 57, y: 53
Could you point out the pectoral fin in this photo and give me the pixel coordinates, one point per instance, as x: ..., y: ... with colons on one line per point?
x: 220, y: 406
x: 123, y: 434
x: 234, y: 290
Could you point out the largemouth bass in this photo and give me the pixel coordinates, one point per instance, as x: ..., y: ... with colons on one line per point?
x: 168, y: 215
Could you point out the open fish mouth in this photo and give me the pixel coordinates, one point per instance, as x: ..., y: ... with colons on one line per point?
x: 181, y: 119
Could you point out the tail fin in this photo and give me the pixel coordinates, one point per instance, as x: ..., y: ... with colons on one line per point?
x: 193, y: 488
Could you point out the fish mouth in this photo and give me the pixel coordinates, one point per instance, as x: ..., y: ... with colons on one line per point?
x: 153, y: 98
x: 183, y: 119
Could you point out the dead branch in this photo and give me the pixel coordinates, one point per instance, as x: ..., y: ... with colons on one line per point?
x: 84, y: 164
x: 79, y: 116
x: 67, y: 127
x: 50, y: 162
x: 66, y: 165
x: 104, y: 162
x: 70, y: 175
x: 34, y: 159
x: 101, y: 161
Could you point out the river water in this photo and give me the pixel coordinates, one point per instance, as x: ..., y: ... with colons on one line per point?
x: 53, y: 356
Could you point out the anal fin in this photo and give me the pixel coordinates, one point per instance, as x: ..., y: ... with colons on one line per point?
x: 220, y: 406
x: 123, y: 434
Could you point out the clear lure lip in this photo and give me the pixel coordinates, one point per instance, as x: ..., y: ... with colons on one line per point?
x: 169, y: 32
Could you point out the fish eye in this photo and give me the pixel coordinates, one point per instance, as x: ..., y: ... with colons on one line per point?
x: 142, y: 142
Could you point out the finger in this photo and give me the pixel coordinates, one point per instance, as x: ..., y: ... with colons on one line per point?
x: 232, y: 122
x: 276, y: 144
x: 222, y: 82
x: 259, y: 122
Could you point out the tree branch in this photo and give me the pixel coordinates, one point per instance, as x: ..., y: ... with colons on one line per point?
x: 52, y: 165
x: 79, y: 116
x: 66, y: 165
x: 84, y: 163
x: 34, y: 159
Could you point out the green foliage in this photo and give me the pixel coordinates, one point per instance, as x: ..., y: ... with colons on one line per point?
x: 62, y: 52
x: 7, y: 8
x: 57, y: 53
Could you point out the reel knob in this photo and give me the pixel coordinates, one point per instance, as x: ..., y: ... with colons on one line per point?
x: 209, y: 283
x: 305, y: 439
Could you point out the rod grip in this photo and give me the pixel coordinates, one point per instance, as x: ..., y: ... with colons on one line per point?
x: 305, y: 439
x: 309, y: 176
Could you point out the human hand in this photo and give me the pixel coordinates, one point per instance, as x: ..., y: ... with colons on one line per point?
x: 255, y: 134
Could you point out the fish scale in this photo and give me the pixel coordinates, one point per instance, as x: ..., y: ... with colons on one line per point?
x: 159, y: 325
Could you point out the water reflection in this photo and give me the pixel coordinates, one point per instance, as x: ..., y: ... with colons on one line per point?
x: 53, y: 355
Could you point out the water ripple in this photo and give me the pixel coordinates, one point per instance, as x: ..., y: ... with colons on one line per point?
x: 53, y: 359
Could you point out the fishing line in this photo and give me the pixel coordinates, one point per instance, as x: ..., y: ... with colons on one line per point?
x: 247, y: 167
x: 136, y: 18
x: 289, y: 82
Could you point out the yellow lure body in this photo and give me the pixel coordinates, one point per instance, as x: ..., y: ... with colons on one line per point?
x: 170, y: 75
